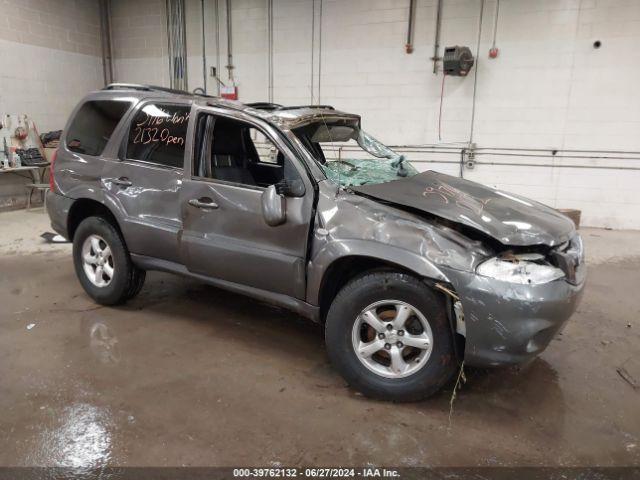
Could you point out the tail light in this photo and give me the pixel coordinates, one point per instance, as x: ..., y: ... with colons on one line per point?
x: 53, y: 160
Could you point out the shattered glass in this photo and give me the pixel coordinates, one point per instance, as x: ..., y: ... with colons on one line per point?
x: 353, y: 172
x: 367, y: 161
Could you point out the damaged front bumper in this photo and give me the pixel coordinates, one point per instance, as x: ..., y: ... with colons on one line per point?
x: 508, y: 323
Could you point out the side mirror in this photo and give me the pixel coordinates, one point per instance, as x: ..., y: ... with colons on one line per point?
x: 274, y: 207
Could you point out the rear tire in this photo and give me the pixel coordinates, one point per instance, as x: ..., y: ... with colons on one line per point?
x: 395, y: 371
x: 103, y: 264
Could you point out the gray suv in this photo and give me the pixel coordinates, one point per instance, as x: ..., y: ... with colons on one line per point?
x: 410, y: 273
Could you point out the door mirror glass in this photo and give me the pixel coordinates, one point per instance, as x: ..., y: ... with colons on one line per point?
x: 274, y: 206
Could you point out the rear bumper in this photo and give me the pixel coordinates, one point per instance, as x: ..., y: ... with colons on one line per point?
x: 58, y: 207
x: 508, y: 323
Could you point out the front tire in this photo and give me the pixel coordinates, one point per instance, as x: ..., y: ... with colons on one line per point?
x: 388, y: 334
x: 103, y: 264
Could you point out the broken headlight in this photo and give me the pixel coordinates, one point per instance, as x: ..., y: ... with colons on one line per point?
x: 524, y: 269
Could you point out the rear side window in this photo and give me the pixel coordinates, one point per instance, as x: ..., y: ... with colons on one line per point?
x: 93, y: 125
x: 158, y: 133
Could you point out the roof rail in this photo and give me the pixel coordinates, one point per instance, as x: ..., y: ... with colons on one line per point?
x: 151, y: 88
x: 276, y: 106
x: 295, y: 107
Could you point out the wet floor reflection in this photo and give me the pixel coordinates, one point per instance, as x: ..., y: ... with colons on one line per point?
x: 103, y: 343
x: 79, y: 437
x: 189, y: 374
x: 527, y: 399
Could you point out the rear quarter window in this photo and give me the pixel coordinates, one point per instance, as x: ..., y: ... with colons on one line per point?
x: 94, y: 124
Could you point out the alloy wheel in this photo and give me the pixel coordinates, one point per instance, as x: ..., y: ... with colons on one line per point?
x: 97, y: 261
x: 392, y: 339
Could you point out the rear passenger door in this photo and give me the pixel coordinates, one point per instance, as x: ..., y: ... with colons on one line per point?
x: 145, y: 181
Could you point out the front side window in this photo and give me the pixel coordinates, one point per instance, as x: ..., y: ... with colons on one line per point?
x: 237, y: 152
x: 94, y: 124
x: 157, y: 134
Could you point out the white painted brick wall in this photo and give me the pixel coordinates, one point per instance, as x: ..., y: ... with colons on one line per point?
x: 49, y: 56
x: 548, y: 89
x: 139, y: 37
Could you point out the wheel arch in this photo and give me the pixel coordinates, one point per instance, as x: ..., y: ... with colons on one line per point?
x: 340, y: 261
x: 343, y: 270
x: 83, y: 208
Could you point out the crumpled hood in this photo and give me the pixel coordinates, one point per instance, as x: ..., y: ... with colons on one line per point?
x: 509, y: 218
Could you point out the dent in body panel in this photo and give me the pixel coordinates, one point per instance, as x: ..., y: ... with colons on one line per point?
x: 509, y: 323
x: 149, y: 208
x: 58, y: 208
x: 506, y: 217
x: 351, y: 225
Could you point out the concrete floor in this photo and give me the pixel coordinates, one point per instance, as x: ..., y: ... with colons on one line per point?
x: 190, y: 375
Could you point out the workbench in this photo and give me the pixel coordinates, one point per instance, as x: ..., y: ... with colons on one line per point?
x: 36, y: 173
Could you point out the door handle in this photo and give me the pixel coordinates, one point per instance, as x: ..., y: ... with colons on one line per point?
x: 122, y: 181
x: 203, y: 202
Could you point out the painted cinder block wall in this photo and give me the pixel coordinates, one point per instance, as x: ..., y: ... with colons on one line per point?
x: 549, y: 89
x: 50, y: 55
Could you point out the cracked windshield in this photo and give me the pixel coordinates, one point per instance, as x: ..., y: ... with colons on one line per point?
x: 350, y: 156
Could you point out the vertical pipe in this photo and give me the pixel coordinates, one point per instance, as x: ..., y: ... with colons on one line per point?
x: 167, y: 6
x: 229, y: 44
x: 410, y: 26
x: 105, y: 33
x: 183, y: 49
x: 436, y: 43
x: 270, y: 49
x: 495, y: 24
x: 475, y: 75
x: 217, y: 19
x: 313, y: 44
x: 176, y: 40
x: 320, y: 53
x: 204, y: 52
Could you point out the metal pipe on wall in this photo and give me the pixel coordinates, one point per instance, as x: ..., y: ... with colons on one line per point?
x: 204, y: 51
x: 270, y: 49
x: 436, y: 41
x: 615, y: 160
x: 475, y: 75
x: 217, y: 19
x: 313, y: 44
x: 176, y: 40
x: 320, y: 52
x: 230, y: 66
x: 495, y: 24
x: 105, y: 34
x: 410, y: 27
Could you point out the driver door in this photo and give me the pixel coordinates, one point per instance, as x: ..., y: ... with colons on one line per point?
x: 224, y: 233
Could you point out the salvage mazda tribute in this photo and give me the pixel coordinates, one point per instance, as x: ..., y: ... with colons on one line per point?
x: 410, y: 273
